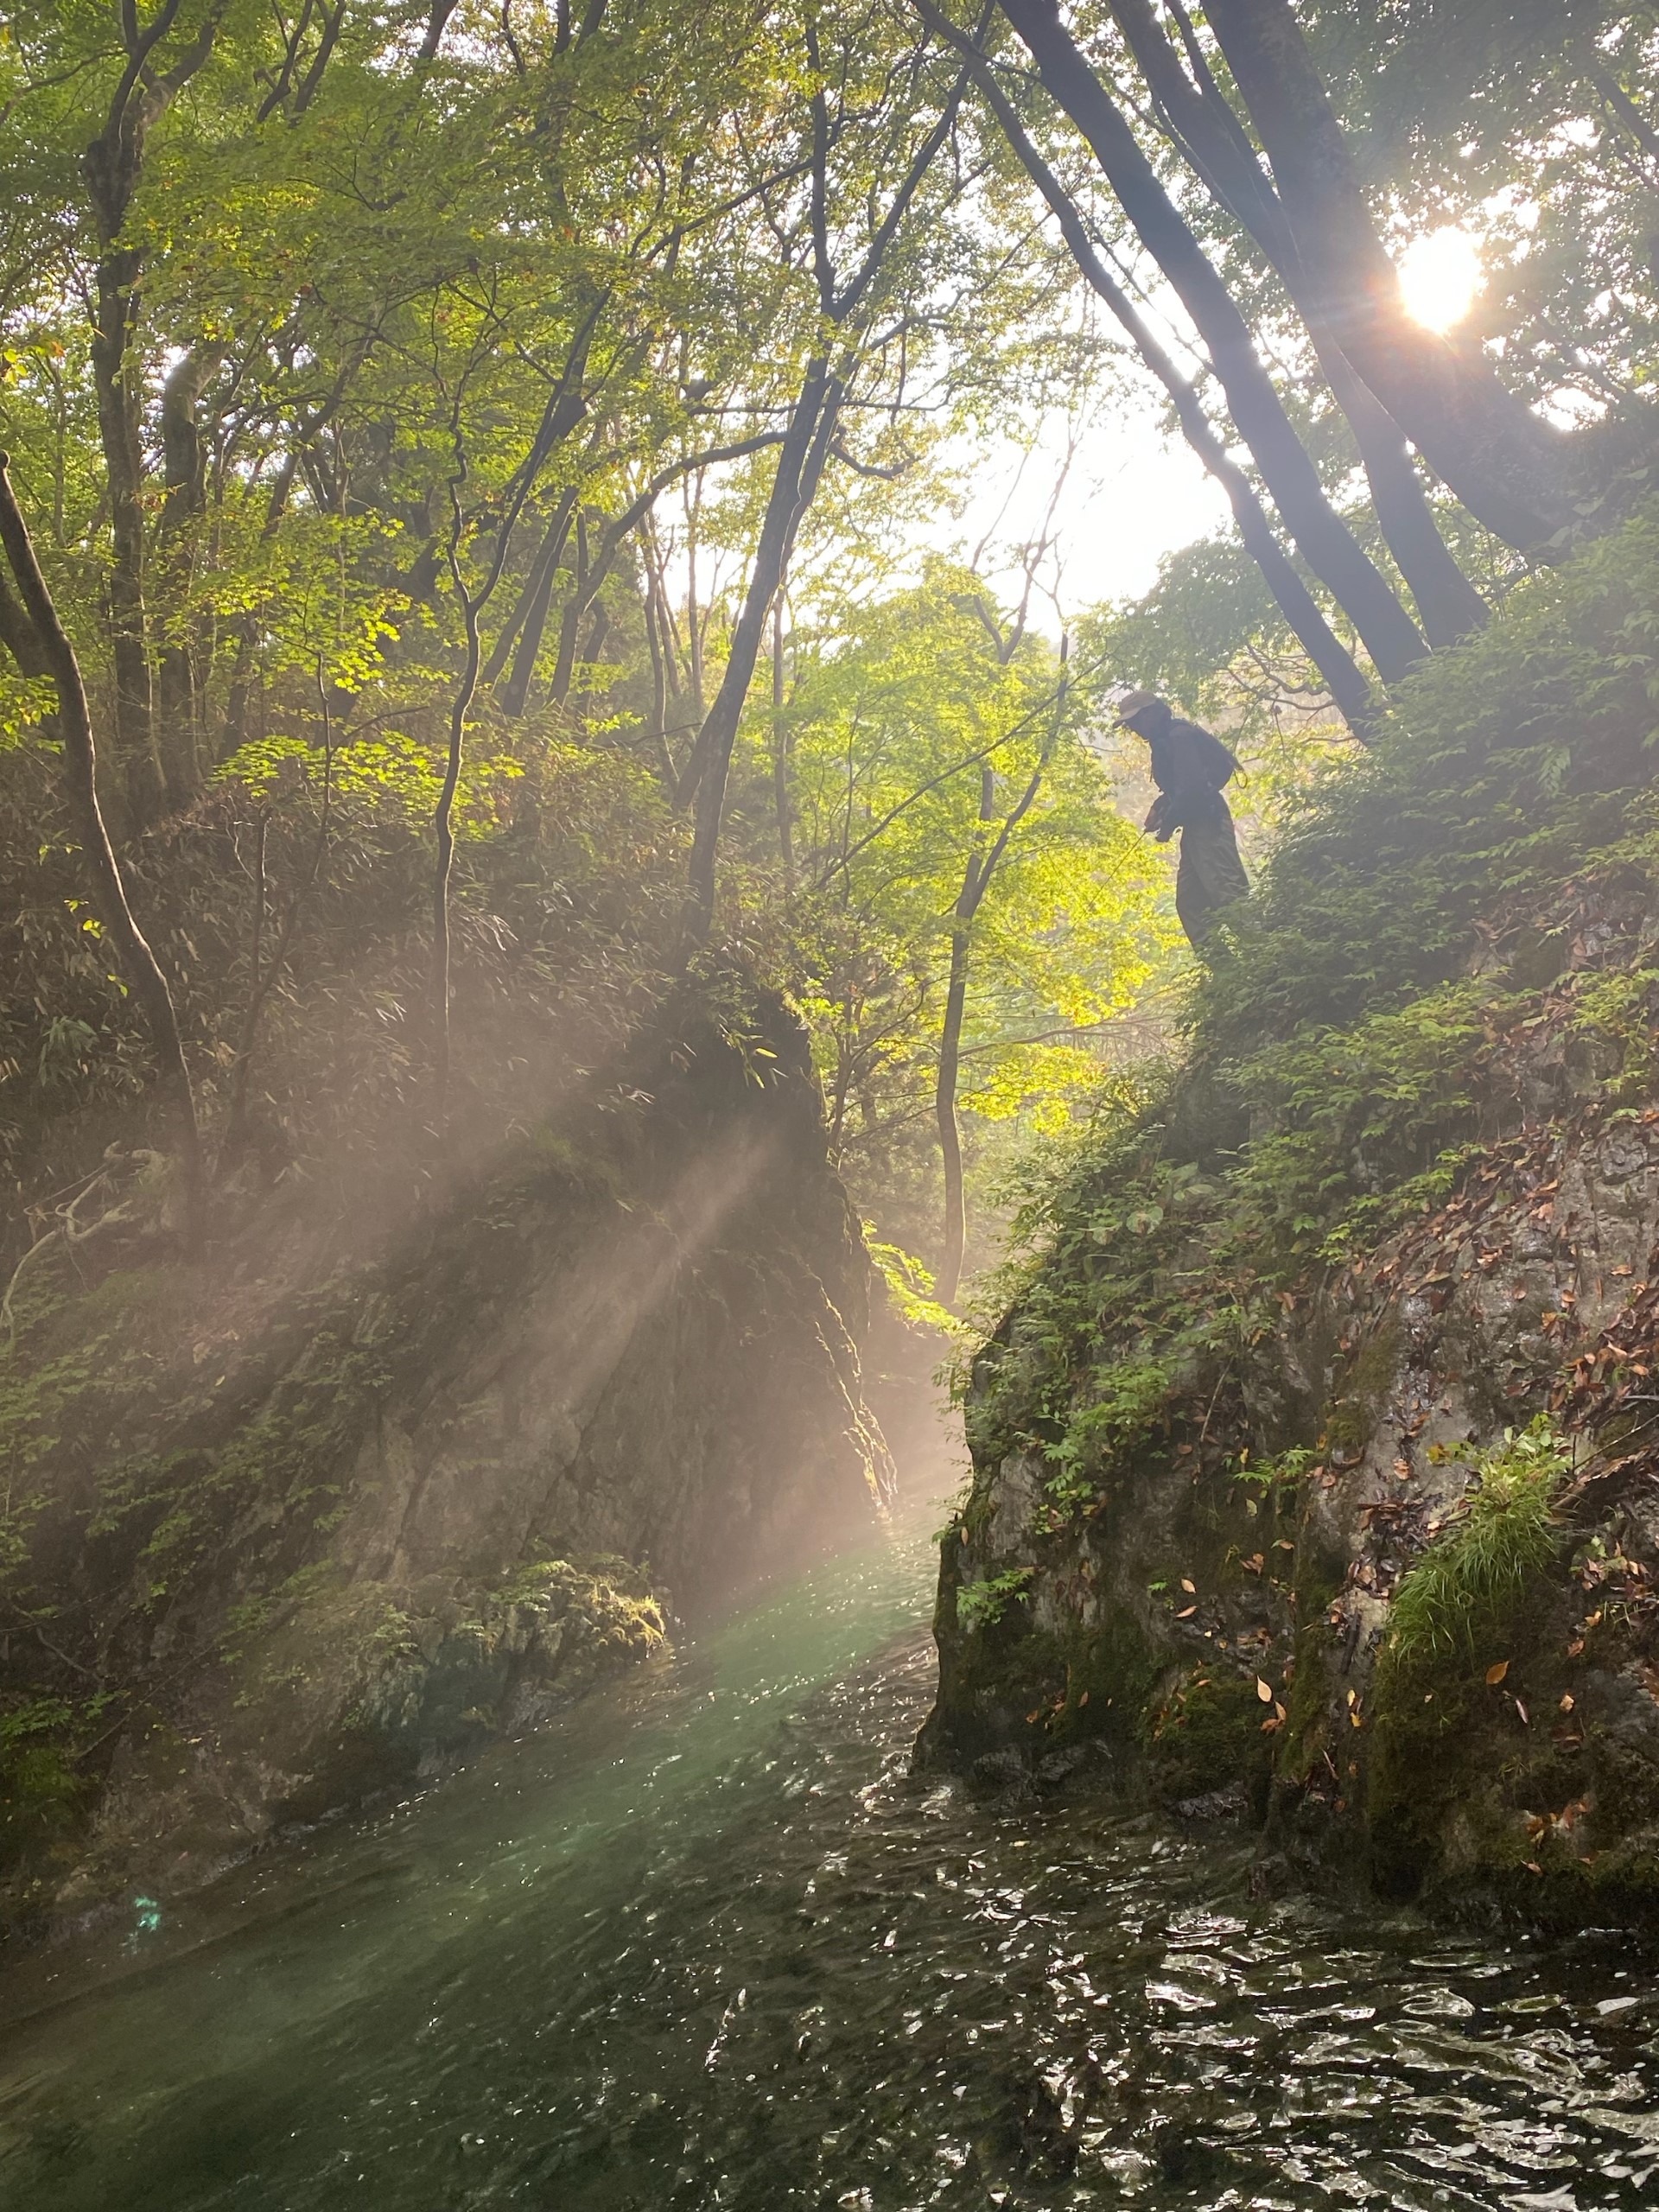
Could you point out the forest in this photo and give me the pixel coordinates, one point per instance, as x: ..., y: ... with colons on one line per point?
x: 591, y: 593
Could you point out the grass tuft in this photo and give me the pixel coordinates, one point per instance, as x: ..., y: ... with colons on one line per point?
x: 1466, y: 1584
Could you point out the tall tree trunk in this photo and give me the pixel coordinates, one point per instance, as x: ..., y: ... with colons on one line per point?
x: 177, y: 682
x: 528, y: 620
x: 982, y: 865
x: 1326, y: 543
x: 1211, y: 138
x: 444, y: 829
x: 112, y: 165
x: 1336, y: 664
x: 1472, y: 432
x: 143, y: 970
x: 115, y: 381
x: 800, y: 463
x: 780, y: 750
x: 955, y: 1238
x: 564, y: 666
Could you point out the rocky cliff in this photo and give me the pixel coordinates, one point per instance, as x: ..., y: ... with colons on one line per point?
x: 1316, y: 1459
x: 263, y: 1559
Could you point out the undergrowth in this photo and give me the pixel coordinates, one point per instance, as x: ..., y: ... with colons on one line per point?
x: 1349, y: 1050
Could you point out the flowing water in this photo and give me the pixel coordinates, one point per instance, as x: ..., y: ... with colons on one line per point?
x: 708, y: 1945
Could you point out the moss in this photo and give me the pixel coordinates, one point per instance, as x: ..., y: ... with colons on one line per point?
x: 1207, y: 1735
x: 1351, y: 1419
x: 45, y: 1790
x: 1305, y: 1733
x: 1111, y: 1675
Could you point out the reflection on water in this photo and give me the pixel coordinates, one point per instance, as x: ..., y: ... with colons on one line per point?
x: 710, y: 1947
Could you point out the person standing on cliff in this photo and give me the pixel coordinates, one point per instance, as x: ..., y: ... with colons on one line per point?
x: 1190, y: 768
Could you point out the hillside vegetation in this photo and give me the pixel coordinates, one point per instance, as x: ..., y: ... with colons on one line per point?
x: 1318, y: 1421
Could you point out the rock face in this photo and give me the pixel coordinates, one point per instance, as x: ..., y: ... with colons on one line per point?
x: 1373, y: 1559
x: 435, y: 1496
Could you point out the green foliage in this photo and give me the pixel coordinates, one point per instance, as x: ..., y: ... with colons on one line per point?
x: 1120, y: 1404
x: 1463, y: 1591
x: 43, y: 1788
x: 918, y: 722
x: 1350, y: 1114
x: 1344, y: 1065
x: 981, y: 1604
x: 909, y: 1285
x: 1281, y: 1471
x: 1618, y: 1007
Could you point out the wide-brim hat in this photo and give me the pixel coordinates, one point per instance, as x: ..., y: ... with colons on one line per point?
x: 1137, y: 703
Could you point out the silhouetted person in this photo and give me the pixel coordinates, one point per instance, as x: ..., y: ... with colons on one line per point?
x: 1190, y: 768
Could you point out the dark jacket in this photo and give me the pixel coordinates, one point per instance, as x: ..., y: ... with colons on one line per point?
x: 1190, y: 768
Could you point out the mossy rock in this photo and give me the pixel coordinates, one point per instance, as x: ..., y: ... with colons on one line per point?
x: 1205, y: 1739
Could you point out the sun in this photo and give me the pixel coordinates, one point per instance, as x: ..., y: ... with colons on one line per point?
x: 1440, y: 274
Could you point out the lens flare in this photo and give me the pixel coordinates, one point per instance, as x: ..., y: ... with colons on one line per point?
x: 1440, y: 274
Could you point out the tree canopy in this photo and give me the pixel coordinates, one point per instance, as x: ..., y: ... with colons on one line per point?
x: 486, y: 472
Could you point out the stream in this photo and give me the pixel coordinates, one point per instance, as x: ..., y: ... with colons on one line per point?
x: 707, y: 1944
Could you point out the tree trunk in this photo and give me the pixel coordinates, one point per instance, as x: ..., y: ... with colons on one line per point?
x: 112, y: 165
x: 1330, y: 550
x: 1335, y: 664
x: 138, y: 962
x: 800, y: 463
x: 955, y: 1239
x: 119, y: 429
x: 444, y: 828
x: 982, y: 865
x: 528, y: 620
x: 177, y: 683
x: 1213, y: 142
x: 780, y: 750
x: 1472, y: 432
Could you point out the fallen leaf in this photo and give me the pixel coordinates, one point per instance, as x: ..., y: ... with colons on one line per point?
x: 1533, y: 1868
x: 1521, y: 1710
x: 1567, y: 1701
x: 1279, y: 1713
x: 1083, y: 1700
x: 1496, y: 1674
x: 1189, y: 1587
x: 1264, y: 1691
x: 1186, y: 1613
x: 1355, y: 1720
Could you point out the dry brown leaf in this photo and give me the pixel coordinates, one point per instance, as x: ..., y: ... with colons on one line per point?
x: 1496, y: 1675
x: 1264, y: 1691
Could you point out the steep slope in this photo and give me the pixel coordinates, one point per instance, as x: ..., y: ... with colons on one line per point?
x: 1316, y: 1468
x: 260, y: 1563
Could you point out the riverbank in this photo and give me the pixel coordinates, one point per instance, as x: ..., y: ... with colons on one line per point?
x: 708, y: 1941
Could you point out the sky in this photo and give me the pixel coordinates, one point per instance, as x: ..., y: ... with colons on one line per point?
x: 1131, y: 496
x: 1135, y: 493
